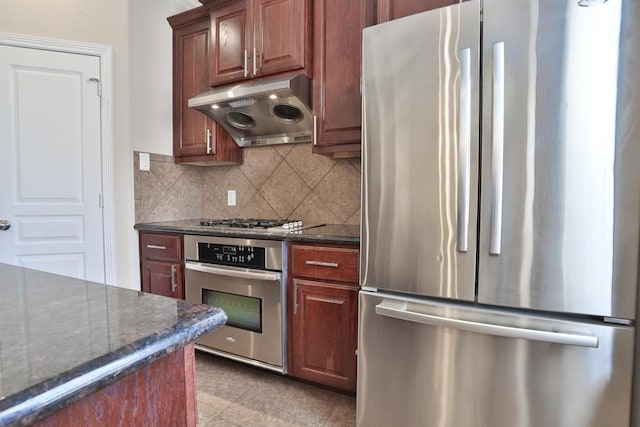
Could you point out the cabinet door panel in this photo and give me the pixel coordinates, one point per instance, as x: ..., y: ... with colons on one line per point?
x: 280, y: 28
x: 196, y: 138
x: 230, y: 28
x: 324, y: 333
x: 337, y: 56
x: 192, y: 78
x: 159, y: 278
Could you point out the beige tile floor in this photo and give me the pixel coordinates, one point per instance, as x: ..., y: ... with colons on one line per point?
x: 230, y: 394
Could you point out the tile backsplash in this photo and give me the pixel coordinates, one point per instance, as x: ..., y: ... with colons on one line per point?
x: 280, y: 181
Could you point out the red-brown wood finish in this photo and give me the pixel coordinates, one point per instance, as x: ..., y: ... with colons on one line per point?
x: 325, y: 333
x: 162, y: 278
x: 230, y: 39
x: 196, y: 138
x: 337, y: 57
x: 327, y: 263
x: 160, y: 394
x: 282, y: 32
x: 256, y: 38
x: 161, y: 264
x: 322, y: 315
x: 389, y: 10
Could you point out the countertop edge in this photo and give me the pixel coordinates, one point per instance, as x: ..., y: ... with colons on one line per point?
x: 288, y: 237
x: 36, y: 402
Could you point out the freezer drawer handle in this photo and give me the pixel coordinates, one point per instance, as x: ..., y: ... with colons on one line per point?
x: 243, y: 274
x: 485, y: 328
x: 497, y: 148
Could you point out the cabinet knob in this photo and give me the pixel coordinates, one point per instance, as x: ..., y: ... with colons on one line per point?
x: 4, y: 224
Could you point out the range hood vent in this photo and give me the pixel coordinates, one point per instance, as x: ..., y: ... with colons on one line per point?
x: 261, y: 112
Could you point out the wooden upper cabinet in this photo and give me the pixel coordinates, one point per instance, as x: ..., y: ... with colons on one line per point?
x: 255, y: 38
x: 230, y: 40
x: 388, y: 10
x: 337, y: 57
x: 196, y: 138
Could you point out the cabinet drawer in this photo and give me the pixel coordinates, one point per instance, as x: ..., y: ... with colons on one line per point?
x: 329, y: 263
x: 161, y: 247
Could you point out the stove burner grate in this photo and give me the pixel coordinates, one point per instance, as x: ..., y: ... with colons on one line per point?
x: 244, y: 223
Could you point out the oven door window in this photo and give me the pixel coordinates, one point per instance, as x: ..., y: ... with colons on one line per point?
x: 242, y: 312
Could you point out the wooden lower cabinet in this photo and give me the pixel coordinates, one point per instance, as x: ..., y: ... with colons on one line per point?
x: 324, y: 333
x: 162, y: 264
x: 162, y: 278
x: 323, y: 314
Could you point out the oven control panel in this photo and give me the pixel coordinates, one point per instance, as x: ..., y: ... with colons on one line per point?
x: 233, y: 255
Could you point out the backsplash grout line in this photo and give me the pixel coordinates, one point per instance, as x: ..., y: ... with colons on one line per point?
x: 307, y: 186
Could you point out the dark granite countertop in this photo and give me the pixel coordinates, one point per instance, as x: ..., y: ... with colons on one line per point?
x: 322, y: 233
x: 62, y: 338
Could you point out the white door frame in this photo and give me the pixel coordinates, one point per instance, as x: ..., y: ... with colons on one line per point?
x: 105, y: 55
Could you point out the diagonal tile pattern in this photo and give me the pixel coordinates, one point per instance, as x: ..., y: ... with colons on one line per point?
x: 280, y: 181
x: 230, y: 394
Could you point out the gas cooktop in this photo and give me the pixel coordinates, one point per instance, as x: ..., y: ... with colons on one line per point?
x: 285, y: 224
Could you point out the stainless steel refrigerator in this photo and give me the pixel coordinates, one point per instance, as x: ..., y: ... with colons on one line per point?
x: 500, y: 215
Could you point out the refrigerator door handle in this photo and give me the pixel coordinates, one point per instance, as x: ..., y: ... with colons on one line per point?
x: 398, y: 311
x: 497, y: 148
x: 464, y: 148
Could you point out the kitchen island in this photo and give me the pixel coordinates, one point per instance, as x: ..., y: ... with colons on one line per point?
x: 74, y: 352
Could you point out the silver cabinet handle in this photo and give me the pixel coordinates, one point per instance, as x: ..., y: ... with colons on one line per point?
x: 5, y: 224
x: 246, y: 70
x: 315, y: 130
x: 209, y: 141
x: 497, y: 148
x: 322, y: 263
x: 255, y: 61
x: 464, y: 150
x: 174, y: 285
x: 295, y: 297
x: 391, y: 310
x: 162, y: 248
x: 243, y: 274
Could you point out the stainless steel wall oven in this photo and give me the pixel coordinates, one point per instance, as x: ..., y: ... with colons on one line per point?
x: 244, y: 277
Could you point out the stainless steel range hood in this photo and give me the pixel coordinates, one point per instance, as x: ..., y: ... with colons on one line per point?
x: 261, y: 112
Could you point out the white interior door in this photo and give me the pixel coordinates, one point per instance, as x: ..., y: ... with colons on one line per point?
x: 50, y: 165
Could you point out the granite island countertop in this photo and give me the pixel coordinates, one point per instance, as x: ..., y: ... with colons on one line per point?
x: 320, y: 233
x: 61, y: 338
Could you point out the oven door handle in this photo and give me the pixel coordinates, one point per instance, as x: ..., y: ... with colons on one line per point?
x: 255, y: 275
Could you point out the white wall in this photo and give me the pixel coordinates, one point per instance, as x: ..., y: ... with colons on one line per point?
x: 151, y: 73
x: 140, y: 36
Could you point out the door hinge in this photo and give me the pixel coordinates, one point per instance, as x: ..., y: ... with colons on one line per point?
x: 100, y: 201
x: 98, y: 84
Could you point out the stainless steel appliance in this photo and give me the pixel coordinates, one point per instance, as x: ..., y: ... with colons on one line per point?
x: 256, y: 223
x: 244, y: 277
x: 263, y: 111
x: 500, y: 215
